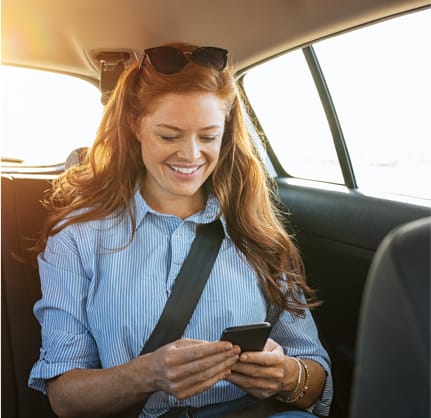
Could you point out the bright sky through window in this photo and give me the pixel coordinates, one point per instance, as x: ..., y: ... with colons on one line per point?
x: 44, y: 116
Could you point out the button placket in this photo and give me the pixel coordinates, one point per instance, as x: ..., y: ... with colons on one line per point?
x: 179, y: 249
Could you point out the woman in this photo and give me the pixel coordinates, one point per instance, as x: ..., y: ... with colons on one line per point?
x: 172, y: 152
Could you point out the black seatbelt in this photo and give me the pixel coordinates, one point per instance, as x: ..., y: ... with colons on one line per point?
x: 187, y: 290
x: 188, y: 286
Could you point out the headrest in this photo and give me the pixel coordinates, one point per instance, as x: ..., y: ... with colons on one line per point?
x: 76, y: 157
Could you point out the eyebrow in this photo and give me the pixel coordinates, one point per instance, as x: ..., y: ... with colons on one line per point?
x: 175, y: 128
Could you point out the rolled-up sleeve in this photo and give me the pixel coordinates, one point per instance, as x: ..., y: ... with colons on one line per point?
x: 67, y: 343
x: 299, y: 338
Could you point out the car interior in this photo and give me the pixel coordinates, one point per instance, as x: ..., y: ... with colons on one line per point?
x: 339, y: 228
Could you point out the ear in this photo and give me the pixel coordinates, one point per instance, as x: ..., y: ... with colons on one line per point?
x: 137, y: 137
x: 134, y: 127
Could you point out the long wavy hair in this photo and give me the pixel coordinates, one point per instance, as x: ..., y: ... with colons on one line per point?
x: 106, y: 181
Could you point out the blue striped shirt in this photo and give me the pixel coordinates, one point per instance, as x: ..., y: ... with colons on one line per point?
x: 103, y: 295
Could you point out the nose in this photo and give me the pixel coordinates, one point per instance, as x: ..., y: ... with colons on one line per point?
x: 190, y: 149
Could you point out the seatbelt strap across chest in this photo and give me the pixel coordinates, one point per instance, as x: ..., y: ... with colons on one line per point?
x: 188, y: 286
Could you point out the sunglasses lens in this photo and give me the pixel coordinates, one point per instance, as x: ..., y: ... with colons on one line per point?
x: 210, y: 57
x: 166, y: 60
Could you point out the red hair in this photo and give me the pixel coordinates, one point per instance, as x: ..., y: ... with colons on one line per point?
x: 239, y: 181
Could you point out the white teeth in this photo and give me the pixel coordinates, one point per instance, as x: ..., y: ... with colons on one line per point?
x: 185, y: 170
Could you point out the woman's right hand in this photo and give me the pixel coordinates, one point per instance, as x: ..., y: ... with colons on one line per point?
x: 187, y: 367
x: 183, y: 369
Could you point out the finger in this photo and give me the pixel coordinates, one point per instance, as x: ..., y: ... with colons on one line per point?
x: 276, y: 372
x: 204, y: 377
x: 262, y: 358
x: 184, y: 342
x: 259, y: 387
x: 192, y: 352
x: 217, y: 368
x: 214, y: 362
x: 190, y: 389
x: 271, y: 345
x: 185, y: 351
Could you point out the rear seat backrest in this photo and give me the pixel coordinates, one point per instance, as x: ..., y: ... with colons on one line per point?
x: 23, y: 217
x: 392, y: 367
x: 9, y: 396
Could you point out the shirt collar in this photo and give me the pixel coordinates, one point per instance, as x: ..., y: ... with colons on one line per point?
x: 208, y: 214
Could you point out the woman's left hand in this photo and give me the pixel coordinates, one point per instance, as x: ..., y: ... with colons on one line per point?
x: 264, y: 373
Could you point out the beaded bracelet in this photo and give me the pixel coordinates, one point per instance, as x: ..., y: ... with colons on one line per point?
x: 306, y: 381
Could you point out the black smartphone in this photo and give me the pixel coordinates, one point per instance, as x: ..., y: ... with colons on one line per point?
x: 249, y: 337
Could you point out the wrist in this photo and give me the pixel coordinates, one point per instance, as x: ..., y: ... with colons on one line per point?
x: 296, y: 392
x: 292, y: 375
x: 139, y: 377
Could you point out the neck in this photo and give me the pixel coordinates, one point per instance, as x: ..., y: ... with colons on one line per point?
x: 182, y: 207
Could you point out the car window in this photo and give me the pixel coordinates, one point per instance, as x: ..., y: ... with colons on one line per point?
x: 378, y: 79
x: 45, y: 116
x: 287, y: 105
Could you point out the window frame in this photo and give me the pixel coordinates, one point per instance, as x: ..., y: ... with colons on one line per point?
x: 329, y: 109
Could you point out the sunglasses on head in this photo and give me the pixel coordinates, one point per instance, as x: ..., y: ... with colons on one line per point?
x: 170, y: 60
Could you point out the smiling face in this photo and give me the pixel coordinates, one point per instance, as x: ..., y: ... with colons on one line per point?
x: 180, y: 144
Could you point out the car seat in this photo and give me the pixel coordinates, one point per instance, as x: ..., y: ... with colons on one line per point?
x: 23, y: 217
x: 392, y: 375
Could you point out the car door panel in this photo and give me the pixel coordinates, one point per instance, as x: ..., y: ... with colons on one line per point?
x: 338, y: 232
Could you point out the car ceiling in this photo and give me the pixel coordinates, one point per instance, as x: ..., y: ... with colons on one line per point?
x: 62, y: 35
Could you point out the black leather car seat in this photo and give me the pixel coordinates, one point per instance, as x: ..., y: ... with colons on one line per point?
x: 23, y: 217
x: 392, y: 375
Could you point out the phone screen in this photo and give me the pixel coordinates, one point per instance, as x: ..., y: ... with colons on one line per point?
x: 249, y: 337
